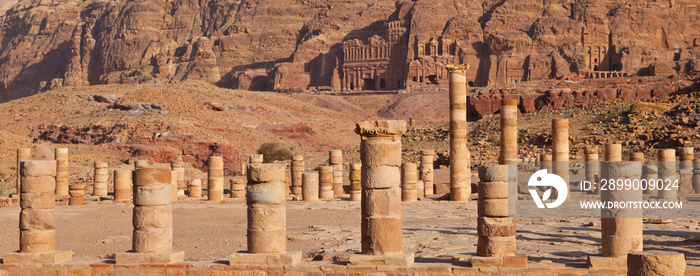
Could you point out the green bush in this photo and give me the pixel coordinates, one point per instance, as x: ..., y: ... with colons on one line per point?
x: 273, y: 151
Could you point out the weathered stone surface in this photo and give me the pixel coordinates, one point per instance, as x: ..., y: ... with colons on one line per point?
x: 355, y: 181
x: 38, y: 168
x: 426, y: 171
x: 560, y: 148
x: 509, y: 131
x: 215, y: 179
x: 325, y: 182
x: 495, y: 173
x: 238, y: 188
x: 194, y: 188
x: 381, y: 177
x: 152, y: 215
x: 284, y: 259
x: 100, y: 179
x: 460, y: 172
x: 122, y: 185
x: 266, y: 211
x: 309, y: 188
x: 493, y: 190
x: 655, y: 263
x: 495, y: 227
x: 266, y: 193
x: 493, y: 207
x: 39, y: 184
x: 62, y: 172
x: 127, y: 258
x: 55, y: 257
x: 160, y: 216
x: 22, y: 155
x: 516, y: 261
x: 297, y: 169
x: 495, y: 246
x: 400, y: 260
x: 266, y: 172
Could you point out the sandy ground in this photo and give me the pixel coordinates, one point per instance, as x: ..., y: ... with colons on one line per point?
x: 437, y: 231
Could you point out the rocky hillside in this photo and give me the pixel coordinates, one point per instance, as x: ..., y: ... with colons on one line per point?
x: 192, y: 121
x: 273, y: 44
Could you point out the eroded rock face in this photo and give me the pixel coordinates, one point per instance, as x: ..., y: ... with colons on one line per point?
x: 283, y: 45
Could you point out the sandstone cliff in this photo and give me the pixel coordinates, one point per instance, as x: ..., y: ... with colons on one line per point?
x: 300, y: 44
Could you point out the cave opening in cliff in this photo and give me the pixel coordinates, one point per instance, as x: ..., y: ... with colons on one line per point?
x: 433, y: 79
x: 369, y: 84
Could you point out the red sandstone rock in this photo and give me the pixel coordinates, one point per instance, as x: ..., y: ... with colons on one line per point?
x: 81, y: 42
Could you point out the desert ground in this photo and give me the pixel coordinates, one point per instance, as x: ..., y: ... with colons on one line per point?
x: 438, y: 231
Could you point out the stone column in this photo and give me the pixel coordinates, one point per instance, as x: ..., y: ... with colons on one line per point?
x: 178, y: 166
x: 495, y: 229
x: 309, y: 186
x: 173, y: 183
x: 238, y: 188
x: 426, y: 171
x: 77, y: 194
x: 215, y: 181
x: 355, y: 178
x: 194, y: 188
x: 667, y: 172
x: 22, y: 155
x: 409, y: 177
x: 621, y: 228
x: 152, y: 240
x: 297, y: 171
x: 267, y: 218
x: 122, y: 185
x: 509, y: 131
x: 266, y: 209
x: 592, y: 166
x: 545, y: 164
x: 686, y: 170
x: 637, y: 156
x: 101, y: 179
x: 509, y: 145
x: 420, y: 188
x: 37, y: 224
x: 650, y: 172
x: 287, y: 186
x: 560, y: 148
x: 325, y: 179
x: 696, y: 176
x: 256, y: 159
x: 62, y: 172
x: 460, y: 171
x: 335, y: 159
x: 380, y: 152
x: 656, y: 263
x: 244, y: 167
